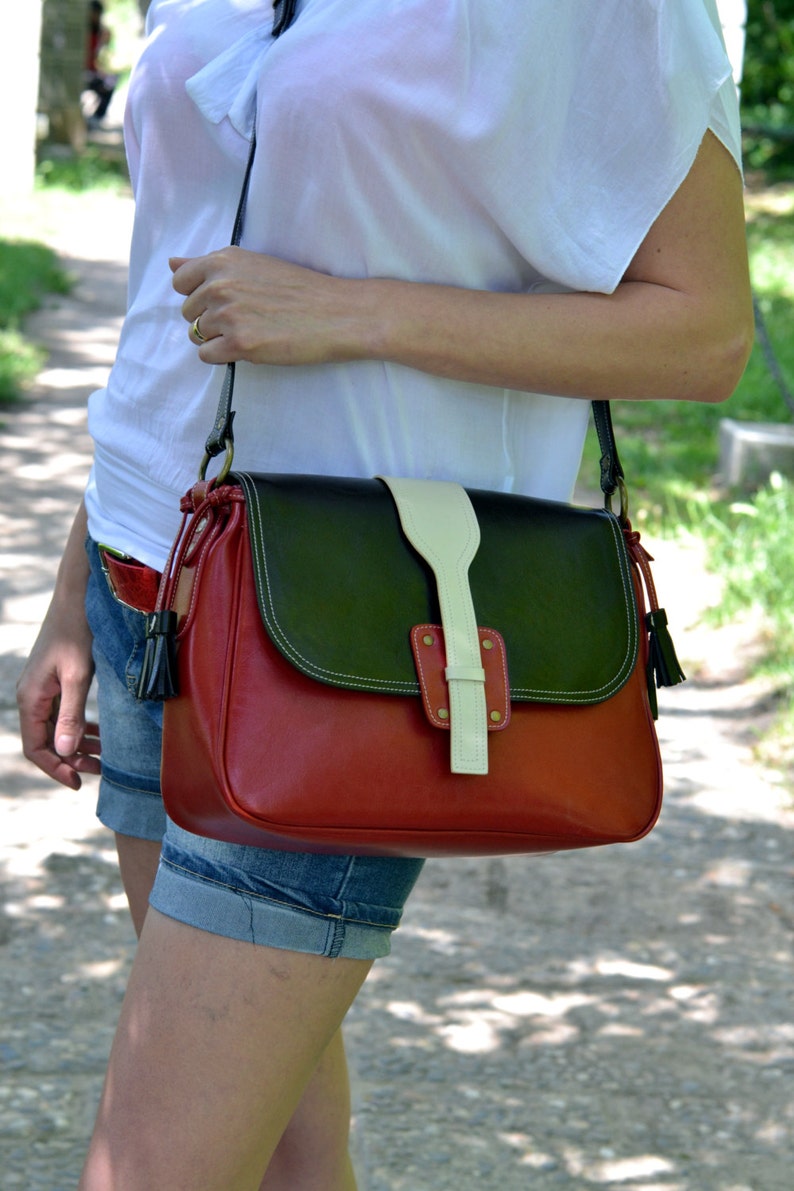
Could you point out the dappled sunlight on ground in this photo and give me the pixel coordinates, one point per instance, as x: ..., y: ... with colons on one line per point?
x: 623, y: 1019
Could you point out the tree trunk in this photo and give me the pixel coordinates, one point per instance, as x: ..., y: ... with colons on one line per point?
x: 63, y: 55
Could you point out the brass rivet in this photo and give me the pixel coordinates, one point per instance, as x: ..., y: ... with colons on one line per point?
x: 443, y: 714
x: 428, y: 640
x: 487, y: 643
x: 496, y: 717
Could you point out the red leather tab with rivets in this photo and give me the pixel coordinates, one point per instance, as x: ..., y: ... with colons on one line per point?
x: 427, y: 644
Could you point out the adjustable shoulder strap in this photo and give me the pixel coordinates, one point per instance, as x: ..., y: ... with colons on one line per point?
x: 612, y: 477
x: 283, y: 15
x: 221, y: 437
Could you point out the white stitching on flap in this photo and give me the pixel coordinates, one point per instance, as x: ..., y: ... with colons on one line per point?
x: 354, y: 681
x: 367, y: 682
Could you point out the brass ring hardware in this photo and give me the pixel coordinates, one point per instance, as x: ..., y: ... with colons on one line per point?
x: 226, y: 467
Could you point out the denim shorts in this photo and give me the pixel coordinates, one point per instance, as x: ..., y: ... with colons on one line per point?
x: 325, y: 905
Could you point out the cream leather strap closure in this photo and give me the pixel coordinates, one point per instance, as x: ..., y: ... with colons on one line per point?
x: 438, y: 519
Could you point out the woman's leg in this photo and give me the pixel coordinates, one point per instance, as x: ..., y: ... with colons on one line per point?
x: 313, y: 1152
x: 138, y: 861
x: 218, y: 1041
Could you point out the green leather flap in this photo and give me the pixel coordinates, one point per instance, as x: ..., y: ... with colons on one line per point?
x: 340, y: 587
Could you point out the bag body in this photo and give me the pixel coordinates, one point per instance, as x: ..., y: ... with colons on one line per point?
x: 310, y: 655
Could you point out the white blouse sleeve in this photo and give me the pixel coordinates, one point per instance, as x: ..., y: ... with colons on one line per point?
x: 628, y: 91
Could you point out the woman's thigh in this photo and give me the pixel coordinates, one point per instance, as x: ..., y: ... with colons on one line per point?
x: 216, y: 1043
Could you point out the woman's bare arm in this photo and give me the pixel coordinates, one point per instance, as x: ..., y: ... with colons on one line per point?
x: 680, y: 324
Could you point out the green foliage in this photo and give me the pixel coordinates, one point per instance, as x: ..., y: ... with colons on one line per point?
x: 768, y: 76
x: 93, y: 169
x: 768, y: 86
x: 28, y: 271
x: 20, y: 360
x: 752, y: 546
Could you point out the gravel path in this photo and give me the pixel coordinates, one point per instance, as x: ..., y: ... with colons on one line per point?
x: 618, y: 1018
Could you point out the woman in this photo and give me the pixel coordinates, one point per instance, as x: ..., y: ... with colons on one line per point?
x: 464, y: 220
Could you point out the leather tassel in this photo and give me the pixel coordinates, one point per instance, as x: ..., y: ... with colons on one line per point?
x: 650, y: 680
x: 159, y: 675
x: 662, y: 657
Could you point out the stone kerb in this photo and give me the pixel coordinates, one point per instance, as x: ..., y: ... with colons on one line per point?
x: 751, y: 451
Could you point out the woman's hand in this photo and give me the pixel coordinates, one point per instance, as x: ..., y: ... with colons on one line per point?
x: 53, y: 687
x: 266, y: 311
x: 51, y: 694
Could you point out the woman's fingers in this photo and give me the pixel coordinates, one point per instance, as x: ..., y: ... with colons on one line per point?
x: 242, y: 305
x: 56, y: 739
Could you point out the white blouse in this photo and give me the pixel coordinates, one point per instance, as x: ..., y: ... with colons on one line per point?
x: 498, y: 146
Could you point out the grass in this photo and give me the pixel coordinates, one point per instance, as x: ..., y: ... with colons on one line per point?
x: 70, y: 191
x: 751, y: 546
x: 28, y: 273
x: 98, y: 168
